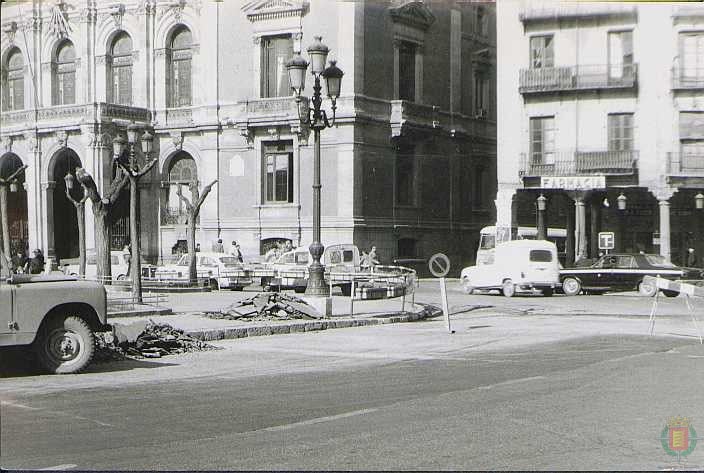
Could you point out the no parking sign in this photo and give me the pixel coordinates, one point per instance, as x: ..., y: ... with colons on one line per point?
x: 439, y: 266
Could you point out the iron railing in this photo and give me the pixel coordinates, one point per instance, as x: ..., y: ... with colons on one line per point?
x: 570, y: 163
x: 581, y: 77
x: 687, y: 164
x: 687, y: 78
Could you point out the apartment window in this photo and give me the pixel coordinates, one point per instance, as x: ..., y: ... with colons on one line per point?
x: 180, y: 58
x: 692, y: 55
x: 620, y: 54
x: 620, y: 126
x: 481, y: 89
x: 278, y: 175
x: 479, y: 187
x: 120, y: 71
x: 692, y: 140
x: 481, y: 21
x: 407, y: 71
x: 13, y: 81
x: 405, y: 176
x: 276, y: 51
x: 542, y: 140
x: 64, y: 71
x: 541, y: 52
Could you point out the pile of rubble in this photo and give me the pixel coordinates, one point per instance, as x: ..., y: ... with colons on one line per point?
x: 155, y: 341
x: 267, y: 306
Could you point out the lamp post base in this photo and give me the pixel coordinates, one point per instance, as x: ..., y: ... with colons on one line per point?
x: 316, y: 281
x: 322, y: 304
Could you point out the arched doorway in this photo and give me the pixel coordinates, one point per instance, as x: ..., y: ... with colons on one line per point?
x: 16, y: 204
x: 65, y: 221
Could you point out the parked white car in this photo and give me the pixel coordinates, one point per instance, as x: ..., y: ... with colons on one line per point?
x: 291, y: 268
x: 520, y: 265
x: 119, y: 264
x: 222, y: 270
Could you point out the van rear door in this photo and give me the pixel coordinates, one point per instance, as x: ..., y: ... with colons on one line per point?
x: 542, y: 266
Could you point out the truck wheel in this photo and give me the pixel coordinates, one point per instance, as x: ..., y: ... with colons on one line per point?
x: 508, y: 289
x: 647, y: 289
x: 571, y: 287
x: 671, y: 293
x: 65, y: 345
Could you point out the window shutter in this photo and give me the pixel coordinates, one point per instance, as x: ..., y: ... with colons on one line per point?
x: 125, y: 85
x: 18, y: 94
x: 69, y: 88
x: 185, y: 82
x: 290, y: 177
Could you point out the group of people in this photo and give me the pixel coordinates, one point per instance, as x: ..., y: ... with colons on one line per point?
x: 23, y: 264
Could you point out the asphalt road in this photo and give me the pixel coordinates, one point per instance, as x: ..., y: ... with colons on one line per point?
x: 407, y: 396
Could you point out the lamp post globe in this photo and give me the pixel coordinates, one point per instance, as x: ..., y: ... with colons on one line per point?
x: 118, y: 146
x: 699, y: 201
x: 333, y: 80
x: 318, y: 53
x: 68, y: 178
x: 296, y: 68
x: 621, y: 201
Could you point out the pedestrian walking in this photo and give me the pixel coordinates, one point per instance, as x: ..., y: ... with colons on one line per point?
x: 373, y: 258
x: 128, y: 257
x: 236, y: 252
x: 218, y: 246
x: 691, y: 257
x: 36, y: 264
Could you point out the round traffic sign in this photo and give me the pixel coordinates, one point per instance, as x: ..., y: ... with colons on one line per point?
x: 439, y: 265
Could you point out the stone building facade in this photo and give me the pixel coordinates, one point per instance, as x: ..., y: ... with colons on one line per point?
x: 602, y: 104
x: 409, y: 165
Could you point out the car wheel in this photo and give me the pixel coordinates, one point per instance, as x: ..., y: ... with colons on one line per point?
x: 299, y: 289
x: 671, y: 293
x: 647, y: 289
x: 571, y: 287
x: 508, y: 289
x: 467, y: 287
x: 548, y: 292
x: 120, y: 277
x: 65, y: 345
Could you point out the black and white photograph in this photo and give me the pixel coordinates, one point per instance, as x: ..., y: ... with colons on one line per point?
x: 358, y: 235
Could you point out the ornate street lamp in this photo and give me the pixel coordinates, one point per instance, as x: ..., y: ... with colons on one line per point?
x: 134, y: 171
x: 317, y: 119
x: 621, y: 201
x: 541, y: 202
x: 699, y: 201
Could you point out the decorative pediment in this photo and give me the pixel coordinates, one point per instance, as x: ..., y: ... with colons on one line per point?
x: 415, y: 14
x: 259, y: 10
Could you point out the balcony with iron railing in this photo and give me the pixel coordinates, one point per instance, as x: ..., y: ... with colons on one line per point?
x: 581, y: 77
x: 572, y: 163
x: 553, y: 11
x: 50, y: 116
x: 691, y: 78
x: 685, y: 164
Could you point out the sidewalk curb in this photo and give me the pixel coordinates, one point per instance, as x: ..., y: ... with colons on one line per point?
x: 308, y: 326
x: 140, y: 312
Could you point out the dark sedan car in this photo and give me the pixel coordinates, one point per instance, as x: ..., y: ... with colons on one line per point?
x: 623, y: 272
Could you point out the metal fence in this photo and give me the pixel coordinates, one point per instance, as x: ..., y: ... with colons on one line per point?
x: 569, y: 163
x: 600, y: 76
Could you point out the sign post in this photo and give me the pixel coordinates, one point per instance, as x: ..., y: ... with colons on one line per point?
x: 439, y: 265
x: 606, y: 241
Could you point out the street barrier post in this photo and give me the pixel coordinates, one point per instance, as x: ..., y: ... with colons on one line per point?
x: 439, y: 265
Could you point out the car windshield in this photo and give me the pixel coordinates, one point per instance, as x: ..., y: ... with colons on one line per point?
x: 487, y: 242
x: 658, y: 260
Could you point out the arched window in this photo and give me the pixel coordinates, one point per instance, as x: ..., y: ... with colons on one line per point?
x: 13, y: 81
x: 182, y: 172
x: 64, y: 68
x: 120, y: 70
x: 180, y: 55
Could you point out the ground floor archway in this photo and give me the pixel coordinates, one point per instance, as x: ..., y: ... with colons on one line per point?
x: 61, y: 214
x: 14, y: 205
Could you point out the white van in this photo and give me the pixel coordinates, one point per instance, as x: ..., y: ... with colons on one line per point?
x: 519, y: 265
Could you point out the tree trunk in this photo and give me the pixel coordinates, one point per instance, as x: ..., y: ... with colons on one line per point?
x: 5, y: 220
x: 102, y: 245
x: 192, y: 271
x: 81, y: 212
x: 135, y: 273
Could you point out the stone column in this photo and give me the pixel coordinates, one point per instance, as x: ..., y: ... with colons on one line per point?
x: 595, y: 208
x: 504, y: 206
x: 580, y: 230
x: 570, y: 230
x: 664, y: 205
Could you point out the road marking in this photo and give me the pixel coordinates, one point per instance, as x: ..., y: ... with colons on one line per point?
x: 61, y: 413
x: 318, y: 420
x: 66, y: 466
x: 20, y: 406
x: 512, y: 381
